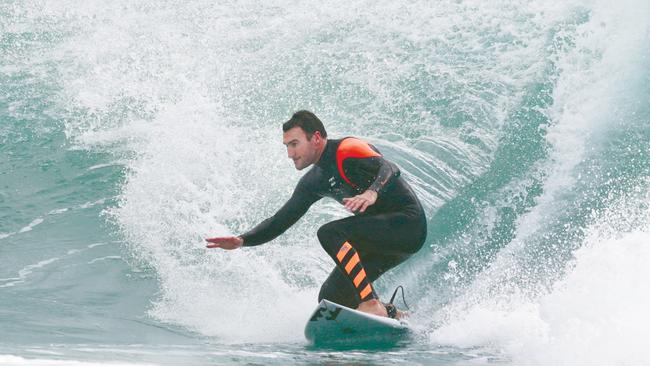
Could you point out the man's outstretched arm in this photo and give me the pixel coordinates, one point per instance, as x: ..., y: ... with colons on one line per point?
x: 271, y: 228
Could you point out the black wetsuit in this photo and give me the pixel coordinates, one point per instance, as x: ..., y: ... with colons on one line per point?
x: 363, y: 246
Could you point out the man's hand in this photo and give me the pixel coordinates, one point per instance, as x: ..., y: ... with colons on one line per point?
x: 227, y: 242
x: 360, y: 202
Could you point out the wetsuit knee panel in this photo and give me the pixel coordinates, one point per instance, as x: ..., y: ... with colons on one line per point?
x: 330, y: 237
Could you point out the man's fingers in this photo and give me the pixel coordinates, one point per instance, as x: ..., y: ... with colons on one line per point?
x: 349, y: 203
x: 229, y: 242
x: 363, y: 206
x: 356, y: 203
x: 214, y: 240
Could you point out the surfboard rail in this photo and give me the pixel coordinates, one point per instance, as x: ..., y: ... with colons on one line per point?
x: 334, y: 323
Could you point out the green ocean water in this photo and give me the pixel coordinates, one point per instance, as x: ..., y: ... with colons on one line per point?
x: 131, y: 131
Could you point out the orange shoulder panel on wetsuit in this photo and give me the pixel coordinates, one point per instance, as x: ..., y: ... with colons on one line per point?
x: 352, y: 148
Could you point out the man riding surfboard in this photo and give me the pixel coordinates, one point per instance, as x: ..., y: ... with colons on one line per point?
x: 388, y: 227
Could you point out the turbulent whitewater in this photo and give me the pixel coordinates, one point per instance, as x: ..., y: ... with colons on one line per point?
x: 130, y: 131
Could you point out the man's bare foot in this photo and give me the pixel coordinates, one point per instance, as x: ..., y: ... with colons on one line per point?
x: 373, y: 306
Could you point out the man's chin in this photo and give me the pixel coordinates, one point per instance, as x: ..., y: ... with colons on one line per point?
x: 300, y: 166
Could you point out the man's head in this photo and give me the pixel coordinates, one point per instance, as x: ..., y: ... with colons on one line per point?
x: 305, y: 138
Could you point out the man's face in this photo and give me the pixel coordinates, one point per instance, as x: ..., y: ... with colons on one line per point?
x: 303, y: 152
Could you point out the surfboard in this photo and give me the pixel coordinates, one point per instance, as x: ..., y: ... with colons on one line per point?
x: 334, y: 323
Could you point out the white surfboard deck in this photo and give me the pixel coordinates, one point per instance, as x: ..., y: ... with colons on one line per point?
x: 334, y: 323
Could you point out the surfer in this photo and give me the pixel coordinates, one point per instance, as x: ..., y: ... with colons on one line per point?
x: 388, y: 227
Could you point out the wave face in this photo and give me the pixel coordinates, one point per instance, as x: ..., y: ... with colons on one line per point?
x: 131, y: 131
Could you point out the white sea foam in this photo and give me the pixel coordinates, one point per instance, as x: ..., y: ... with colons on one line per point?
x: 58, y: 211
x: 106, y: 258
x: 25, y: 272
x: 107, y: 165
x: 86, y: 205
x: 94, y: 245
x: 31, y: 225
x: 10, y: 360
x: 596, y: 315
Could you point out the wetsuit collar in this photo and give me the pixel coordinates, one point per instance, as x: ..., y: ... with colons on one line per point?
x: 328, y: 153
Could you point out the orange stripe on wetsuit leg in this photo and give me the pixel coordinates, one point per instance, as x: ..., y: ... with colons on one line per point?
x: 365, y: 292
x: 352, y: 148
x: 352, y: 262
x: 345, y: 248
x: 360, y: 277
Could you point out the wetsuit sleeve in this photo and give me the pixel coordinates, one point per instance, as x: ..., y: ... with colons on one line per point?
x: 386, y: 174
x: 269, y: 229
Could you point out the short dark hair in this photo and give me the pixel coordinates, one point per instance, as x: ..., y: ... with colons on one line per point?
x: 307, y: 121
